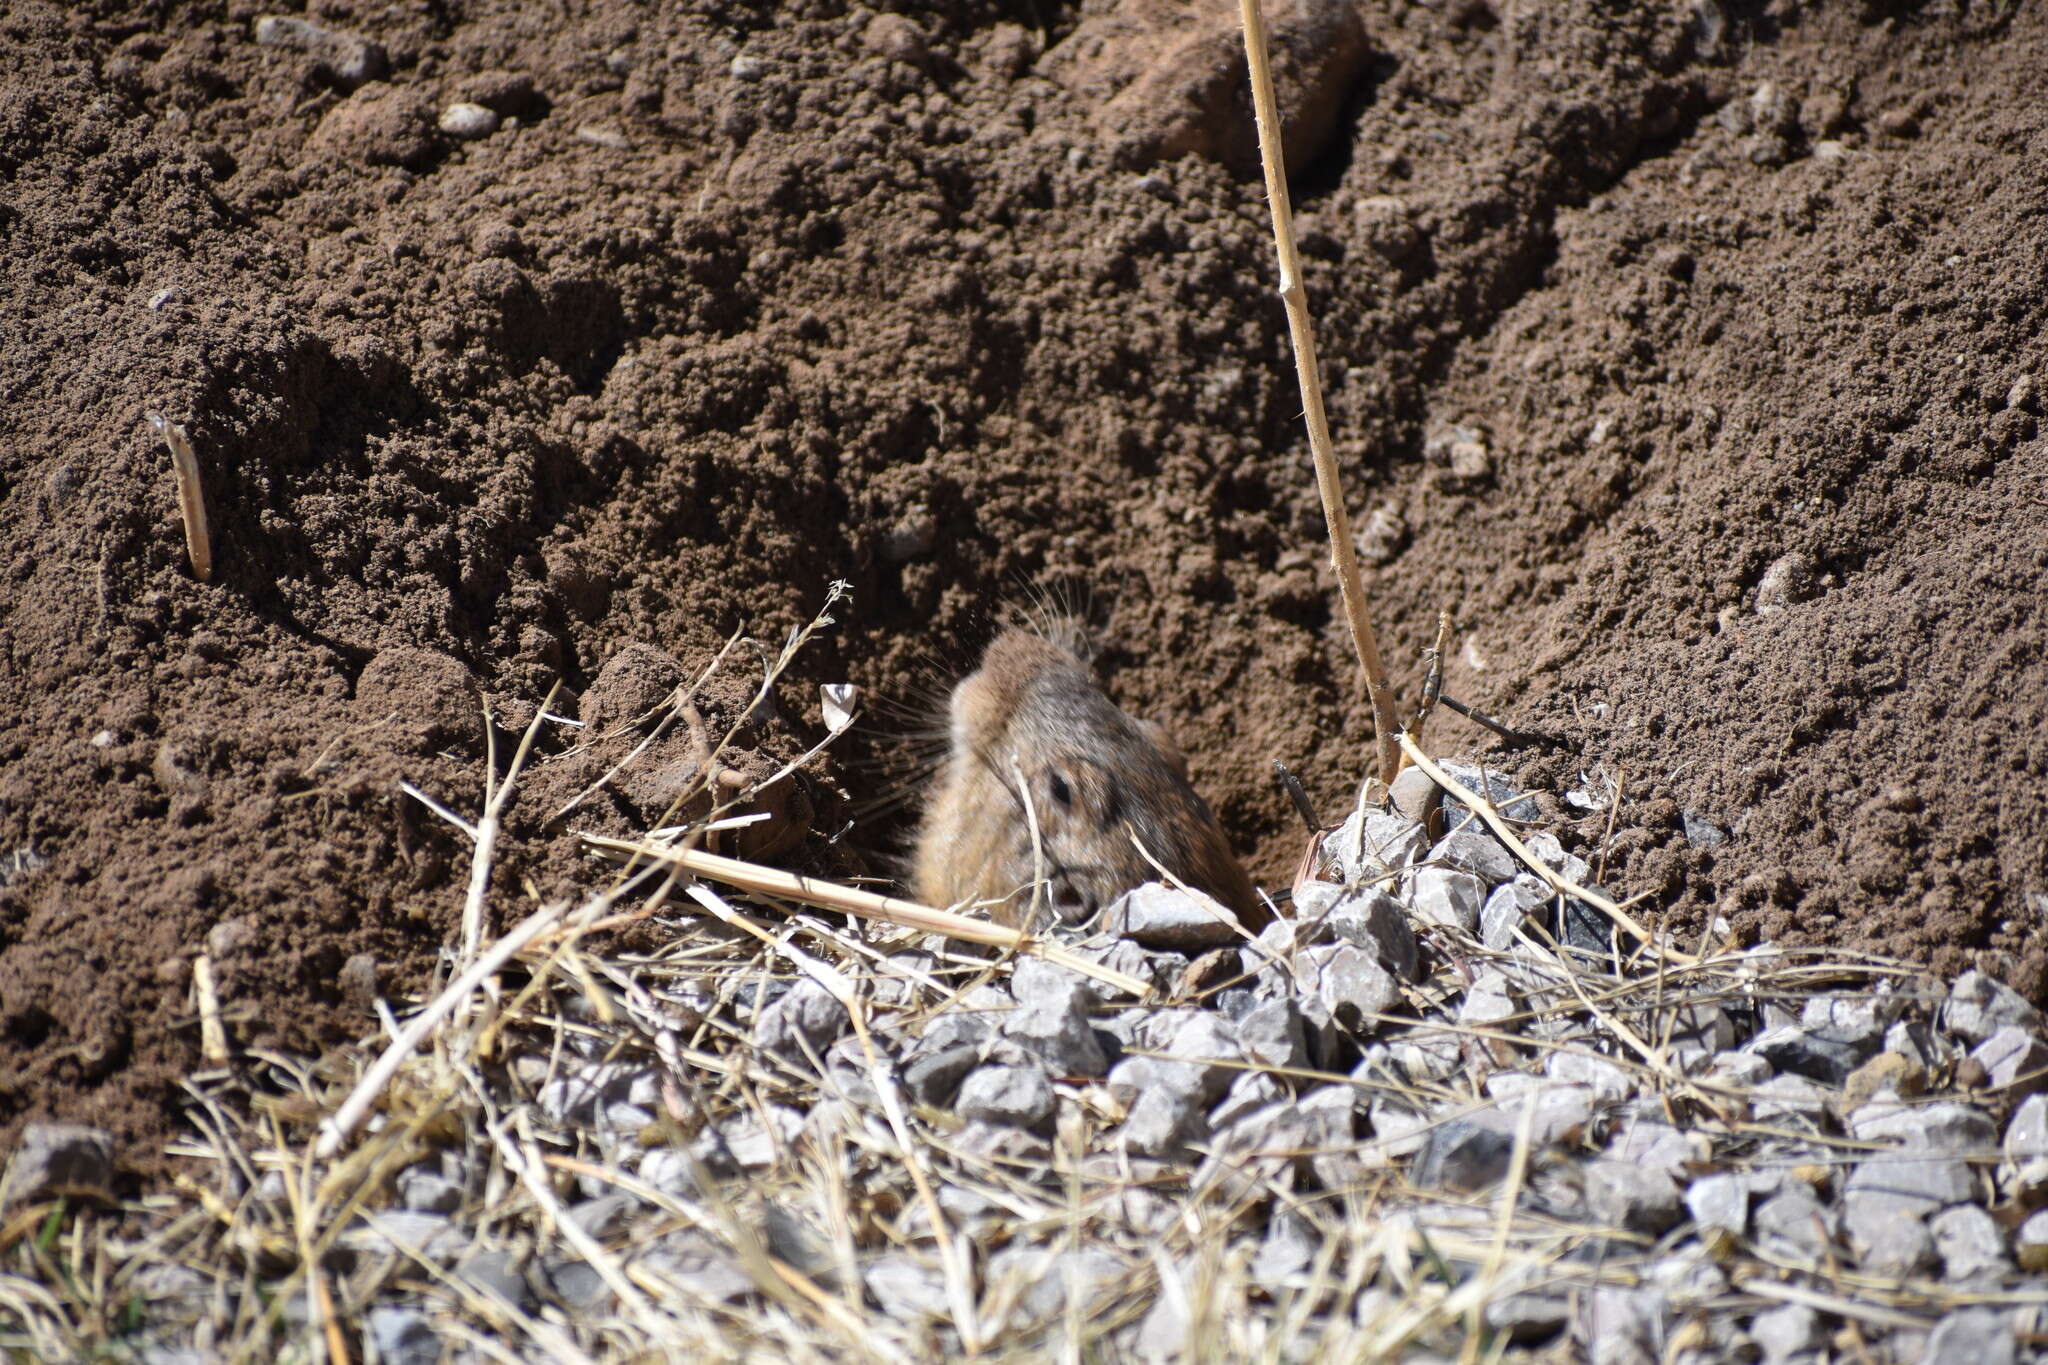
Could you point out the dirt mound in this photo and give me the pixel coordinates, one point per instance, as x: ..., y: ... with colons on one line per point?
x: 1691, y: 358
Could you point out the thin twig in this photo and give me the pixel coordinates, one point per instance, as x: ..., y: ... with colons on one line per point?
x: 1343, y: 553
x: 191, y: 504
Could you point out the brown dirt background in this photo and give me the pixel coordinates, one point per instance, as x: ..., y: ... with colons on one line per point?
x: 682, y: 348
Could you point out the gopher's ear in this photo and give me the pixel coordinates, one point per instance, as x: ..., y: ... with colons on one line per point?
x: 1168, y: 750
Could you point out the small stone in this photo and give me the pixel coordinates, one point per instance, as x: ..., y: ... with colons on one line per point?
x: 1793, y: 1097
x: 343, y: 58
x: 1372, y: 843
x: 1621, y: 1194
x: 605, y: 1215
x: 1886, y: 1232
x: 1504, y: 796
x: 804, y: 1020
x: 1159, y: 916
x: 1792, y: 1222
x: 1249, y: 1093
x: 1785, y: 1332
x: 1351, y: 984
x: 1947, y: 1126
x: 749, y: 68
x: 1209, y: 1045
x: 1918, y: 1171
x: 1528, y: 1318
x: 911, y: 536
x: 1464, y: 1154
x: 404, y: 1233
x: 1978, y: 1006
x: 671, y: 1171
x: 2026, y: 1136
x: 1794, y: 1050
x: 1701, y: 832
x: 1791, y: 578
x: 2014, y: 1060
x: 1860, y: 1020
x: 1448, y: 898
x: 1719, y: 1201
x: 576, y: 1285
x: 1609, y: 1082
x: 1016, y: 1096
x: 2021, y: 394
x: 498, y: 1273
x: 358, y: 981
x: 933, y: 1076
x: 907, y: 1289
x: 1978, y: 1336
x: 71, y: 1160
x: 1970, y: 1243
x: 2030, y: 1243
x: 402, y: 1336
x: 1508, y: 908
x: 1621, y: 1326
x: 428, y: 1191
x: 1414, y: 794
x: 1162, y: 1122
x: 1373, y: 920
x: 1054, y: 1028
x: 1271, y: 1034
x: 466, y: 121
x: 1477, y: 852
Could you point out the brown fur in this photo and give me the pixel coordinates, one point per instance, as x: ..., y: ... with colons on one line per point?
x: 1095, y: 776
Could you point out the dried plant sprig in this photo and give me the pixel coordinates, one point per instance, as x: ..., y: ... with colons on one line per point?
x: 191, y: 504
x: 1294, y: 296
x: 848, y: 900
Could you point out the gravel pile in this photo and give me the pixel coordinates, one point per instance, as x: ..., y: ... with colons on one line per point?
x: 1439, y: 1099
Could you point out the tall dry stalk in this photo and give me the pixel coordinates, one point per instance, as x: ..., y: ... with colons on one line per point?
x: 1343, y: 554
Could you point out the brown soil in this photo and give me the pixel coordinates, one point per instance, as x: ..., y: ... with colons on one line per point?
x: 916, y: 304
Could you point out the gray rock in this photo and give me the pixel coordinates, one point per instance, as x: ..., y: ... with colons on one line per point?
x: 1504, y: 796
x: 52, y: 1159
x: 1561, y: 1110
x: 1270, y: 1033
x: 2016, y: 1060
x: 576, y: 1285
x: 1054, y: 1028
x: 579, y: 1096
x: 1788, y: 1097
x: 1372, y: 844
x: 1508, y: 908
x: 605, y: 1215
x: 1609, y: 1082
x: 1858, y: 1020
x: 1249, y: 1093
x: 1783, y: 1333
x: 704, y: 1269
x: 1351, y: 984
x: 1046, y: 1278
x: 1414, y: 795
x: 1978, y: 1007
x: 467, y: 122
x: 1017, y: 1096
x: 1474, y: 850
x: 2026, y: 1136
x: 1738, y: 1070
x: 1528, y: 1318
x: 1372, y: 919
x: 1701, y: 832
x: 343, y: 58
x: 1583, y: 928
x: 1398, y: 1128
x: 1163, y: 1335
x: 1209, y: 1045
x: 1621, y: 1326
x: 1798, y: 1052
x: 1487, y: 1003
x: 1970, y: 1243
x: 402, y: 1232
x: 1914, y: 1172
x: 1704, y: 1028
x: 669, y: 1170
x: 1464, y: 1154
x: 1719, y: 1201
x: 1162, y: 1121
x: 1447, y: 897
x: 428, y: 1191
x: 1945, y: 1126
x: 1621, y: 1194
x: 1159, y: 916
x: 932, y: 1077
x: 499, y: 1273
x: 1978, y: 1336
x: 1886, y: 1232
x: 1793, y: 1223
x: 907, y: 1289
x: 803, y: 1021
x: 1288, y: 1247
x: 2030, y: 1243
x: 402, y: 1336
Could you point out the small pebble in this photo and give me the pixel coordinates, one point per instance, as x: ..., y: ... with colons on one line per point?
x: 468, y: 121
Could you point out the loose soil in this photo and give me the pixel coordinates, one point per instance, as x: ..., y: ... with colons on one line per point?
x: 1689, y: 355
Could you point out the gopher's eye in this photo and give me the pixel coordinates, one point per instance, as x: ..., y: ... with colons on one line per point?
x: 1061, y: 792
